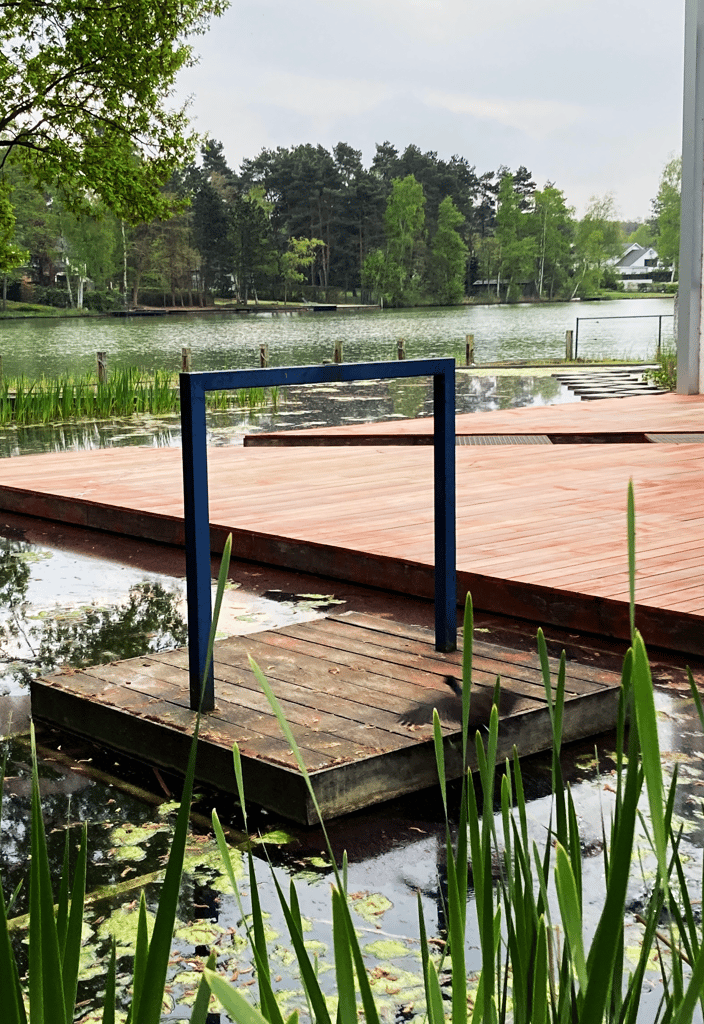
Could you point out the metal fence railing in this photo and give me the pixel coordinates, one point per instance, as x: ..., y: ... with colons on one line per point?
x: 195, y: 487
x: 644, y: 316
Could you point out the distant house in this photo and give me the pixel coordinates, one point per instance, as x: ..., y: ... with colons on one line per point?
x: 636, y: 266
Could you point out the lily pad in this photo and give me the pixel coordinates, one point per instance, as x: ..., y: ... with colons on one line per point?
x: 371, y: 905
x: 388, y: 949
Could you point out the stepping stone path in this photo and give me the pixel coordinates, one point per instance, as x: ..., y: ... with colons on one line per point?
x: 616, y: 383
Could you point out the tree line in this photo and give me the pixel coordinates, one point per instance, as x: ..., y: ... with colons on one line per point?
x: 305, y: 222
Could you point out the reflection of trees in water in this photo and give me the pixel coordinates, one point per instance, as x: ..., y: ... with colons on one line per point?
x: 504, y: 392
x: 408, y: 396
x: 149, y: 620
x: 69, y: 437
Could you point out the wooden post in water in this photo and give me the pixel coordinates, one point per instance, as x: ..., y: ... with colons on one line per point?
x: 401, y: 348
x: 263, y: 355
x: 569, y: 345
x: 102, y: 367
x: 337, y: 354
x: 185, y: 360
x: 470, y: 350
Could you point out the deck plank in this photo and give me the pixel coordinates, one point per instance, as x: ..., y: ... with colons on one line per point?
x: 365, y: 735
x: 541, y: 530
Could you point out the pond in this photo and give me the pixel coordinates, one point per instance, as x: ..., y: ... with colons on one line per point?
x: 67, y: 596
x: 230, y: 340
x: 76, y: 597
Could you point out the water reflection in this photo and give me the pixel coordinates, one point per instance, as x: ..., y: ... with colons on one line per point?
x: 298, y: 408
x: 36, y: 637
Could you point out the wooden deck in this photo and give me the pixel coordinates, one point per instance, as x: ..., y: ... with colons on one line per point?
x: 541, y: 529
x: 358, y: 692
x: 608, y: 420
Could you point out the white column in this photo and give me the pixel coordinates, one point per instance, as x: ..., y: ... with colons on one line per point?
x: 690, y: 348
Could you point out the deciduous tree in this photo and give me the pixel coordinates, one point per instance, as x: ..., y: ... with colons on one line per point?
x: 448, y: 257
x: 666, y: 207
x: 598, y: 239
x: 404, y: 222
x: 83, y: 84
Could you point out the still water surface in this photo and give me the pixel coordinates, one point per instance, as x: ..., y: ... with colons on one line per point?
x: 58, y: 602
x: 231, y: 341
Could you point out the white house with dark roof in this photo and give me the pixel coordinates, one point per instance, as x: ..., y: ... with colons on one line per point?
x: 635, y: 264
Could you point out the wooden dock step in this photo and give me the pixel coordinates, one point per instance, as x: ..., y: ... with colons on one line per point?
x: 358, y: 692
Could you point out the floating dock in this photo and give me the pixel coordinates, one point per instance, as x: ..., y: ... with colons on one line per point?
x: 358, y: 692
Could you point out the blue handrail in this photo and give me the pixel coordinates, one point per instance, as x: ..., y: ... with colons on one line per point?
x: 195, y: 489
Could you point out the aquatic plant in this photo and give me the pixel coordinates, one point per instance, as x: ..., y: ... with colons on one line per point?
x: 55, y: 933
x: 537, y: 963
x: 127, y: 392
x: 540, y: 961
x: 666, y: 374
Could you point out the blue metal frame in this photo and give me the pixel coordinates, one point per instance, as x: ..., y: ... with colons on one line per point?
x: 195, y: 489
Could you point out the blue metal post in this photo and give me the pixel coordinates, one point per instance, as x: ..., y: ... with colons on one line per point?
x: 445, y: 528
x: 195, y: 483
x: 197, y: 537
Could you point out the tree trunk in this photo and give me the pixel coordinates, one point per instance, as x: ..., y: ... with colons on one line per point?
x: 124, y: 264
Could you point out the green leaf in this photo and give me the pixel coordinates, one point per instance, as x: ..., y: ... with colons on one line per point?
x: 436, y: 1012
x: 74, y: 937
x: 239, y: 1008
x: 344, y: 972
x: 109, y: 998
x: 650, y: 750
x: 571, y: 913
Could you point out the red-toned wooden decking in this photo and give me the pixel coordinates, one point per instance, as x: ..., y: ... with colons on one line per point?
x: 541, y: 529
x: 609, y: 418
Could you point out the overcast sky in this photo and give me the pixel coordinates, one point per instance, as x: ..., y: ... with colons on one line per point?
x: 585, y: 93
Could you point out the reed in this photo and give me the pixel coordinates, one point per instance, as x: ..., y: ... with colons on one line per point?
x: 538, y: 963
x: 55, y: 931
x: 127, y: 392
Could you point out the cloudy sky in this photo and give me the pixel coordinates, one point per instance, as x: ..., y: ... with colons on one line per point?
x: 585, y: 93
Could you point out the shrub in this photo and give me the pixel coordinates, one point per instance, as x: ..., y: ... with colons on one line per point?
x: 102, y: 302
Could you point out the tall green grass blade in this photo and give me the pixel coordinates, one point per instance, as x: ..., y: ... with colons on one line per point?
x: 575, y: 846
x: 237, y: 760
x: 344, y: 971
x: 199, y: 1013
x: 291, y: 740
x: 424, y: 948
x: 538, y: 1011
x: 12, y: 1002
x: 696, y: 696
x: 147, y: 1009
x: 608, y: 938
x: 440, y: 759
x: 239, y: 1008
x: 63, y: 899
x: 467, y: 654
x: 456, y: 934
x: 71, y: 949
x: 435, y: 1008
x: 141, y: 952
x: 308, y: 973
x: 47, y: 1004
x: 258, y: 924
x: 570, y: 910
x: 650, y: 750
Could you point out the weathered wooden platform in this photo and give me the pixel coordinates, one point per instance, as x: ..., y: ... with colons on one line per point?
x: 358, y: 692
